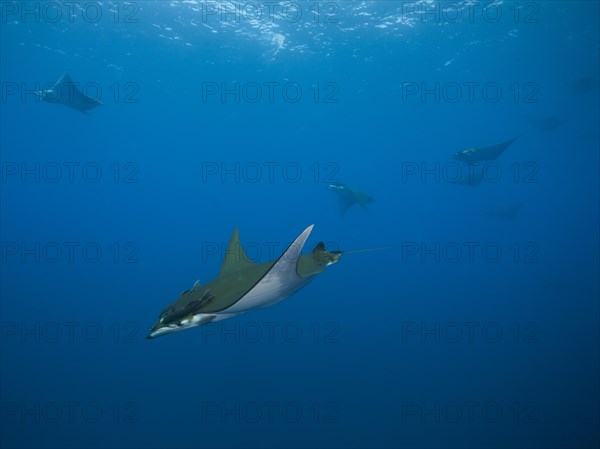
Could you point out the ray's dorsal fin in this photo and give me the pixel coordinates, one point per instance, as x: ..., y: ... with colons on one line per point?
x: 235, y: 257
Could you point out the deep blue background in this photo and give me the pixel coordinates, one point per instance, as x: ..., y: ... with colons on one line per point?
x: 359, y: 379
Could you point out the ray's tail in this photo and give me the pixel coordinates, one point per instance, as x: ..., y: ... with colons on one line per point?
x: 354, y: 251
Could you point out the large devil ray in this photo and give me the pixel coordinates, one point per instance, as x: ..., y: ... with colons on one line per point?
x: 475, y: 154
x: 243, y: 285
x: 66, y: 93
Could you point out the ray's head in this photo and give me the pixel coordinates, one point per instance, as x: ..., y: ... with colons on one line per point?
x: 464, y: 154
x: 48, y: 95
x: 176, y: 318
x: 336, y: 187
x: 170, y: 320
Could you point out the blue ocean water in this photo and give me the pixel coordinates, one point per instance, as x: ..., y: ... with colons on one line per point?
x: 477, y: 328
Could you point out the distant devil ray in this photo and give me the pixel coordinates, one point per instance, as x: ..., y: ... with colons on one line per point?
x: 481, y: 154
x: 66, y: 93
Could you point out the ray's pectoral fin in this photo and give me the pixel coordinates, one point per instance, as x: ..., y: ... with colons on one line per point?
x: 364, y: 200
x: 344, y: 205
x: 284, y: 270
x: 279, y: 282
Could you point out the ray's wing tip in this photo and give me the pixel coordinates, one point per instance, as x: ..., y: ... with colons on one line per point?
x: 299, y: 242
x: 303, y: 237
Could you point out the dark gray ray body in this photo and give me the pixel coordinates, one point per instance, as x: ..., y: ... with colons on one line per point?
x: 66, y: 93
x: 349, y: 196
x: 475, y: 154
